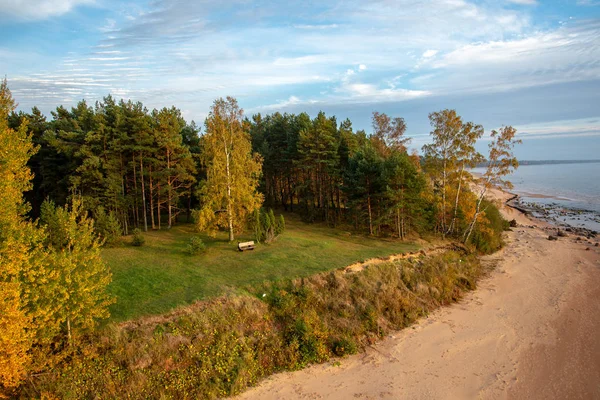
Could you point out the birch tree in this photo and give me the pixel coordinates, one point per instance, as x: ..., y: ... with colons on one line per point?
x: 441, y: 155
x: 501, y: 162
x: 229, y: 193
x: 466, y: 157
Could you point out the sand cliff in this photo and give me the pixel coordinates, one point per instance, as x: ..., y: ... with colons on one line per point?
x: 530, y: 330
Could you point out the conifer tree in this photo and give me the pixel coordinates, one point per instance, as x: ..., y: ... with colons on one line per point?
x: 229, y: 193
x: 176, y: 168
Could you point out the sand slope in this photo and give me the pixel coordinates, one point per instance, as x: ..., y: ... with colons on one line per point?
x: 531, y: 330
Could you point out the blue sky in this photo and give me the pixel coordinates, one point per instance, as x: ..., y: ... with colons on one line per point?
x: 532, y: 64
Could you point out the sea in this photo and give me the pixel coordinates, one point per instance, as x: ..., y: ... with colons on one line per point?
x: 570, y: 192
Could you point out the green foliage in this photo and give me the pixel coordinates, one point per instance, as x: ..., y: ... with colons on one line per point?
x: 138, y: 238
x: 280, y: 225
x: 487, y: 235
x: 218, y: 348
x: 195, y: 245
x: 81, y: 294
x: 108, y: 227
x: 265, y: 226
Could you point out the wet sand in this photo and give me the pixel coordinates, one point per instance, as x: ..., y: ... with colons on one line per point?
x: 529, y: 331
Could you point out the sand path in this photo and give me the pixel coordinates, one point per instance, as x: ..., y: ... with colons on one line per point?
x: 530, y: 331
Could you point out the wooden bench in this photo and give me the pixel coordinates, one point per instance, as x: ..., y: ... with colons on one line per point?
x: 246, y: 246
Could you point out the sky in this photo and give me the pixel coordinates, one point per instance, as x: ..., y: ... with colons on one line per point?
x: 532, y: 64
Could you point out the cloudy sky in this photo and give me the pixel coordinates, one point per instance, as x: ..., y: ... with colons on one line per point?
x: 533, y: 64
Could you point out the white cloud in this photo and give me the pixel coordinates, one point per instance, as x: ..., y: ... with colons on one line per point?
x: 524, y: 2
x: 39, y: 9
x: 429, y: 53
x: 362, y: 67
x: 558, y: 129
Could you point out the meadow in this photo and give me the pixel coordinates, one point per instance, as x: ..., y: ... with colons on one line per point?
x: 161, y: 275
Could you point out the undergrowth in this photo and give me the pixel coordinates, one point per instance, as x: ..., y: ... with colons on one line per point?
x: 219, y: 348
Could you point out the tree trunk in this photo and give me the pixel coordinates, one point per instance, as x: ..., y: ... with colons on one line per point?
x: 474, y: 221
x: 152, y: 200
x: 135, y: 194
x: 398, y: 227
x: 229, y: 205
x: 158, y: 206
x: 444, y: 198
x: 69, y: 337
x: 189, y: 206
x: 454, y: 218
x: 370, y: 215
x: 291, y: 194
x: 143, y: 193
x: 169, y: 191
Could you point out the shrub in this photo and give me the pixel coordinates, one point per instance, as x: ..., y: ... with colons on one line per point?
x: 195, y: 245
x: 138, y: 238
x: 280, y: 226
x: 265, y: 226
x: 487, y: 235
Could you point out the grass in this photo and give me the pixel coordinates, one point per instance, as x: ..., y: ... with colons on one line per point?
x: 161, y: 275
x: 219, y: 347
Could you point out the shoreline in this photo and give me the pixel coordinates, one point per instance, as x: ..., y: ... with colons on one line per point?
x: 574, y: 220
x: 527, y: 331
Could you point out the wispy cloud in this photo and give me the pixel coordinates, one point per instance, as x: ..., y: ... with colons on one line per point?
x: 38, y: 9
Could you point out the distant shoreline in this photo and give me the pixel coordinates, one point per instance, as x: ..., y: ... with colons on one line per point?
x: 546, y: 162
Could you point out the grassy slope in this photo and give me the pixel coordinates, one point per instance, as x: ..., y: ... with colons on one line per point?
x: 159, y: 276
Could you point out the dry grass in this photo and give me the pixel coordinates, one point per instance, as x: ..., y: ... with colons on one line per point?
x: 217, y: 348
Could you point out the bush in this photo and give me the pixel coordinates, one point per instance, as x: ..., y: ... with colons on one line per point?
x: 487, y: 236
x: 265, y: 226
x: 138, y: 239
x: 195, y: 245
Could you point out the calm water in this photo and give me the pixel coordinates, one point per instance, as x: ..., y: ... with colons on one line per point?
x: 574, y: 186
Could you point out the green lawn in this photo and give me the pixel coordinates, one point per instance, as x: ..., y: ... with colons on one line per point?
x: 160, y: 275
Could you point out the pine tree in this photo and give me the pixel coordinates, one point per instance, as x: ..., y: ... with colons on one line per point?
x: 175, y: 168
x: 229, y: 193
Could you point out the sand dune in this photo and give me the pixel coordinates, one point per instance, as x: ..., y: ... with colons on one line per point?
x: 529, y: 331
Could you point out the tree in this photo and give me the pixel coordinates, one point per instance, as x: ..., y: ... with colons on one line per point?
x: 364, y: 182
x: 319, y: 159
x: 15, y: 324
x: 176, y: 165
x: 27, y: 283
x: 466, y: 157
x: 83, y: 275
x: 229, y: 193
x: 501, y: 162
x: 441, y: 155
x: 404, y: 185
x: 388, y: 133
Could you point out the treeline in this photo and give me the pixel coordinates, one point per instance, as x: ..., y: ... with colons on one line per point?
x: 138, y: 168
x: 123, y: 160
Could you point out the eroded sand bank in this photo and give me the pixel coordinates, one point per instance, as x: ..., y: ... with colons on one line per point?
x: 531, y: 330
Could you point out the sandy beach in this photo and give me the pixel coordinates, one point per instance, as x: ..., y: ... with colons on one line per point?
x: 529, y: 331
